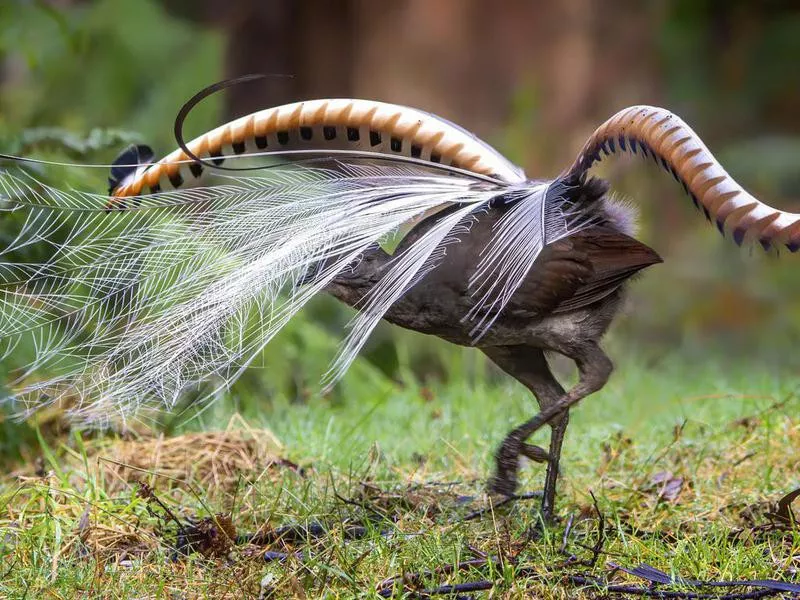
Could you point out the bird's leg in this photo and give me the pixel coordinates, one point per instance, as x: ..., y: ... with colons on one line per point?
x: 594, y: 368
x: 528, y: 365
x: 534, y: 453
x: 540, y: 380
x: 558, y: 427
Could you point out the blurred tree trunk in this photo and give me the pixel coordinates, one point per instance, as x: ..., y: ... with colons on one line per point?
x: 464, y: 59
x: 311, y: 41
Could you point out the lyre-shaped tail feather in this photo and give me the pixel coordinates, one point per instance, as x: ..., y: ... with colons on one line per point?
x: 673, y: 144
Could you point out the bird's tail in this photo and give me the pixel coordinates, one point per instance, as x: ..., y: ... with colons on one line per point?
x: 673, y: 144
x: 133, y: 307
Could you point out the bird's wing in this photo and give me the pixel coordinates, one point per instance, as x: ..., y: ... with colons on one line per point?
x: 558, y: 273
x: 578, y: 271
x: 614, y: 257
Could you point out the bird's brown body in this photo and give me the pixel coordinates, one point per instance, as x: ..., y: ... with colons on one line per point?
x: 565, y: 305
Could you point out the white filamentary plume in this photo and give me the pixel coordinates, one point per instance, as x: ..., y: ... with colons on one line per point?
x: 134, y: 307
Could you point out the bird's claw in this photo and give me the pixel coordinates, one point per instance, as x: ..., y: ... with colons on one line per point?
x: 504, y: 481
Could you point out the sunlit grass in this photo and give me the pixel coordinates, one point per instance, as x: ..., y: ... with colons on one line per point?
x: 724, y: 436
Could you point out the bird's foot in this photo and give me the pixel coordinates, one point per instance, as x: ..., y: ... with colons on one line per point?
x: 504, y: 481
x: 503, y: 486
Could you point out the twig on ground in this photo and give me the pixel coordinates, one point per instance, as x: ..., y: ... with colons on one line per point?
x: 567, y: 531
x: 597, y: 549
x: 763, y: 588
x: 148, y: 494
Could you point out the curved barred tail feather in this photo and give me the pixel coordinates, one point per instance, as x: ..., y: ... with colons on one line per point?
x: 329, y: 128
x: 680, y: 151
x: 133, y: 159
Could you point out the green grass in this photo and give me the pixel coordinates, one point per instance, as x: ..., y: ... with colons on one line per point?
x: 726, y: 434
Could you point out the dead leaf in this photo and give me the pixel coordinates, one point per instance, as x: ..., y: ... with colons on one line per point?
x: 213, y: 537
x: 667, y: 485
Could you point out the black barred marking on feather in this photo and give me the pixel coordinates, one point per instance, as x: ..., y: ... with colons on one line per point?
x: 608, y: 146
x: 416, y: 134
x: 176, y: 180
x: 196, y: 169
x: 217, y: 157
x: 677, y: 149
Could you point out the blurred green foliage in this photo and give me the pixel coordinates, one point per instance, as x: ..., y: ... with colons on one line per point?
x: 110, y: 63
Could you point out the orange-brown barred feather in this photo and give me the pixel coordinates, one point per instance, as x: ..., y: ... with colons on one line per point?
x: 681, y: 152
x: 361, y: 125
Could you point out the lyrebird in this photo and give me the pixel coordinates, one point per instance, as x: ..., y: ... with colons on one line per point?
x: 163, y: 284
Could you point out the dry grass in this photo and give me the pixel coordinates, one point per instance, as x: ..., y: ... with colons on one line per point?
x: 216, y: 460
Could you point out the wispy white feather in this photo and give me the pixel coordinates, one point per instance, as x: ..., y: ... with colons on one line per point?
x: 539, y: 214
x: 520, y: 236
x: 409, y: 267
x: 135, y: 307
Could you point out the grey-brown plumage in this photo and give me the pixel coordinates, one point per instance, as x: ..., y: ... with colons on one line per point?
x: 564, y: 305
